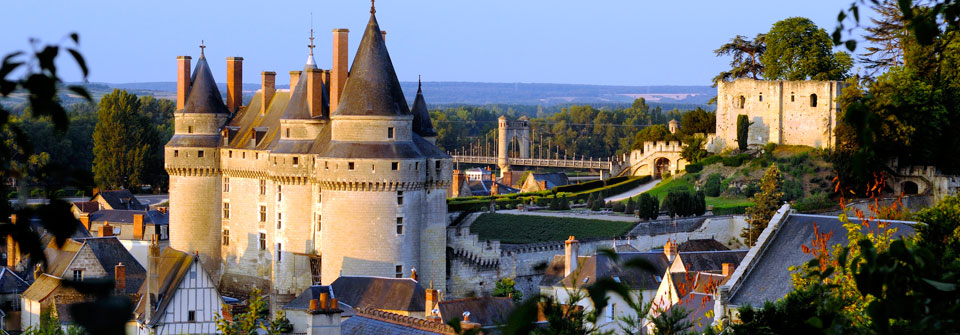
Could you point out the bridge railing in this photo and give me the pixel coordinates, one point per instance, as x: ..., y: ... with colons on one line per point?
x: 562, y: 163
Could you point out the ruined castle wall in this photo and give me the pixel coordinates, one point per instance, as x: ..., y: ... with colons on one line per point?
x: 782, y: 112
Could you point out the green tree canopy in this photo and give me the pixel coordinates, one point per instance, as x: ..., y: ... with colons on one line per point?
x: 799, y: 50
x: 746, y: 62
x: 125, y: 144
x: 767, y: 200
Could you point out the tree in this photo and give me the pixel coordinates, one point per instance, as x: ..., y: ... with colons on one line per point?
x: 886, y: 38
x: 651, y: 134
x: 743, y: 130
x: 699, y: 203
x: 672, y: 322
x: 747, y: 55
x: 590, y: 201
x: 564, y: 203
x: 122, y: 142
x: 506, y: 287
x: 693, y: 150
x: 597, y: 204
x: 698, y: 121
x: 630, y: 207
x: 679, y: 202
x: 799, y: 50
x: 767, y: 203
x: 712, y: 187
x: 648, y: 206
x: 256, y: 318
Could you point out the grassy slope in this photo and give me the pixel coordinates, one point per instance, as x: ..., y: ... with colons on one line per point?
x: 530, y: 229
x: 660, y: 191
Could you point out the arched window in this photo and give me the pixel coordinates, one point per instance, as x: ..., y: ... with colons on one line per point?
x: 813, y: 100
x: 743, y: 101
x: 909, y: 188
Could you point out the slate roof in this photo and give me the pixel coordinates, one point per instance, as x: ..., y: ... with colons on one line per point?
x: 110, y: 252
x: 704, y: 261
x: 249, y: 118
x: 421, y: 116
x: 87, y: 206
x: 553, y: 179
x: 10, y: 282
x: 369, y: 321
x: 397, y: 294
x: 699, y: 305
x: 768, y: 279
x: 601, y: 266
x: 482, y: 187
x: 298, y: 108
x: 121, y: 199
x: 41, y: 288
x: 487, y: 311
x: 706, y: 244
x: 204, y: 95
x: 151, y: 217
x: 372, y: 88
x: 173, y: 267
x: 302, y: 301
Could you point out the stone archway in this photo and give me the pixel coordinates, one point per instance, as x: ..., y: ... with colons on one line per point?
x: 909, y: 188
x: 661, y: 165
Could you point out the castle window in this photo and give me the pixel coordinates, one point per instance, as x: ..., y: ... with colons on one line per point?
x: 813, y: 100
x: 243, y: 154
x: 279, y: 253
x: 350, y: 166
x: 792, y: 98
x: 226, y: 184
x: 743, y: 101
x: 176, y: 153
x: 417, y: 166
x: 263, y: 186
x: 226, y: 237
x: 437, y: 165
x: 389, y: 132
x: 319, y: 223
x: 288, y: 132
x: 226, y: 210
x: 326, y: 165
x: 189, y: 129
x: 279, y: 220
x: 230, y: 154
x: 319, y: 196
x: 263, y: 241
x: 373, y: 167
x: 256, y: 155
x: 200, y: 154
x: 77, y: 275
x: 263, y: 213
x: 191, y: 316
x: 399, y: 271
x: 296, y: 161
x: 395, y: 166
x: 279, y: 192
x: 399, y: 226
x: 761, y: 96
x: 399, y: 198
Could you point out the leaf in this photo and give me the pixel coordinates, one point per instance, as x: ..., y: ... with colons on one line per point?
x: 851, y: 45
x: 946, y: 287
x: 75, y: 37
x: 80, y: 62
x: 815, y: 322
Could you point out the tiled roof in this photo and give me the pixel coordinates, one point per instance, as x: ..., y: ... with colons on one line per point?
x: 700, y: 307
x: 110, y: 252
x: 151, y: 217
x: 482, y: 187
x: 58, y: 259
x: 87, y: 206
x: 767, y: 278
x: 553, y: 179
x: 298, y: 108
x: 302, y: 301
x: 601, y: 266
x: 173, y: 267
x: 121, y: 199
x: 703, y: 261
x: 41, y: 288
x: 10, y: 282
x: 204, y: 95
x: 397, y: 294
x: 707, y: 244
x: 370, y: 321
x: 487, y: 311
x: 249, y: 118
x: 372, y: 87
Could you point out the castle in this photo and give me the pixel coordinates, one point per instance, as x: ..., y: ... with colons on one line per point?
x: 335, y: 176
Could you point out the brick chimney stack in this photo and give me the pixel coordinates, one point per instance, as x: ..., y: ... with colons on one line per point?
x: 268, y: 83
x: 570, y: 255
x: 183, y: 83
x: 120, y: 277
x: 234, y: 83
x: 494, y: 188
x: 338, y: 74
x: 432, y: 299
x: 138, y: 227
x: 153, y: 274
x: 315, y: 93
x: 294, y: 78
x: 728, y: 269
x: 106, y: 230
x: 458, y: 180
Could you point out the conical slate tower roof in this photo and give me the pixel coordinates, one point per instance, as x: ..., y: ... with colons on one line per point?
x: 372, y: 87
x: 421, y: 116
x: 204, y: 94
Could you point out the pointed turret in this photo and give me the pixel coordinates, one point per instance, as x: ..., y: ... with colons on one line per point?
x: 204, y: 95
x: 372, y: 87
x: 421, y: 116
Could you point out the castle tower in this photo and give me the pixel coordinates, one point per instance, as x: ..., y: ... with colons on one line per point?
x: 192, y: 159
x: 382, y: 185
x: 421, y: 117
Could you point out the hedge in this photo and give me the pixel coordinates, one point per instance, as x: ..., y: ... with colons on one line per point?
x: 694, y: 167
x: 474, y: 204
x: 730, y: 210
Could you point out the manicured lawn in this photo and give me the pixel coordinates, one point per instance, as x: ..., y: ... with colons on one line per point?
x: 660, y: 191
x: 518, y: 229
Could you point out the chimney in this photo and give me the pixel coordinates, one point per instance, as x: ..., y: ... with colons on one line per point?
x: 315, y: 93
x: 507, y: 177
x: 413, y: 274
x: 183, y: 86
x: 466, y: 324
x: 384, y: 34
x: 138, y: 227
x: 314, y: 305
x: 234, y: 83
x: 13, y: 251
x: 570, y: 253
x: 294, y: 79
x: 120, y: 277
x: 268, y: 84
x: 543, y: 185
x: 670, y: 249
x: 85, y: 220
x: 432, y: 298
x: 728, y: 269
x: 494, y: 188
x: 338, y: 74
x: 324, y: 300
x: 106, y: 230
x: 458, y: 180
x: 153, y: 274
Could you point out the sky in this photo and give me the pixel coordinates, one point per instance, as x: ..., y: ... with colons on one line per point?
x: 602, y: 42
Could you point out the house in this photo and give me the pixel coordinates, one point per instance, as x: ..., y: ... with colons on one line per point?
x: 179, y: 296
x: 140, y: 225
x: 764, y: 273
x: 15, y: 258
x: 488, y: 312
x: 485, y: 187
x: 317, y: 312
x: 80, y: 208
x: 118, y: 199
x: 11, y: 286
x: 403, y: 296
x: 543, y: 181
x: 579, y: 272
x: 79, y: 259
x: 479, y: 174
x: 375, y: 321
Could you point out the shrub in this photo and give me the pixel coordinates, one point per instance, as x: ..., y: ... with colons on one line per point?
x: 590, y: 201
x: 12, y: 195
x: 712, y: 187
x: 735, y: 161
x: 597, y: 205
x: 813, y: 202
x: 730, y: 210
x: 743, y: 129
x: 693, y: 167
x: 792, y: 190
x: 648, y: 207
x: 619, y: 207
x: 564, y: 203
x: 630, y: 207
x: 751, y: 189
x: 682, y: 202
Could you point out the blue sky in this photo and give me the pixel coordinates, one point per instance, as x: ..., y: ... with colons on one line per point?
x: 607, y: 42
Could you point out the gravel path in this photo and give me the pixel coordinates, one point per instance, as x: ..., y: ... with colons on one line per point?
x: 636, y: 191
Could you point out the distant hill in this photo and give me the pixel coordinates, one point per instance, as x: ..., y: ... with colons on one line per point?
x: 470, y: 93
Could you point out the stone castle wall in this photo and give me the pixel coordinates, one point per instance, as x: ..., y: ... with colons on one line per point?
x: 782, y: 112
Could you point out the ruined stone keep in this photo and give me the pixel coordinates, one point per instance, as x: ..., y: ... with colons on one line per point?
x: 334, y: 176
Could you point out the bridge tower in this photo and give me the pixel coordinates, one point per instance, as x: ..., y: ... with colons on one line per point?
x: 506, y: 132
